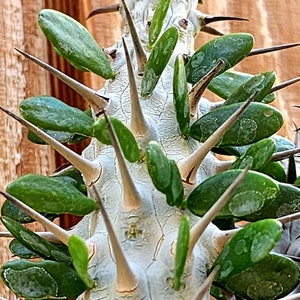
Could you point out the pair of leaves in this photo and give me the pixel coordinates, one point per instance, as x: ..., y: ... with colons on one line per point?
x: 164, y: 174
x: 258, y: 121
x: 243, y: 256
x: 62, y: 120
x: 42, y: 280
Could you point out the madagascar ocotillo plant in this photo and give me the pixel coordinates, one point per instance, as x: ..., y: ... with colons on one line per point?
x: 162, y: 215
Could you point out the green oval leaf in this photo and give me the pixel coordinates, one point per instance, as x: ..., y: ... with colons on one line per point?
x: 79, y: 254
x: 271, y: 278
x: 181, y: 251
x: 174, y: 191
x: 159, y: 167
x: 287, y: 202
x: 74, y: 42
x: 51, y: 195
x: 275, y: 170
x: 230, y: 48
x: 157, y: 21
x: 258, y: 121
x: 13, y: 212
x: 43, y: 280
x: 255, y: 192
x: 158, y: 60
x: 52, y: 114
x: 259, y: 154
x: 225, y: 83
x: 34, y: 242
x: 125, y: 137
x: 17, y: 249
x: 260, y: 83
x: 180, y: 96
x: 248, y: 246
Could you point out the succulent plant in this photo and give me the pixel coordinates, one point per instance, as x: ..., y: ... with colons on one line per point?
x: 162, y: 215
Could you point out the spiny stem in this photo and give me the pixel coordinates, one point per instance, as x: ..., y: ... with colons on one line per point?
x: 60, y: 233
x: 140, y: 53
x: 126, y: 280
x: 131, y: 198
x: 198, y: 89
x: 97, y: 102
x: 199, y: 227
x: 89, y: 169
x: 188, y: 167
x: 138, y: 123
x: 205, y: 287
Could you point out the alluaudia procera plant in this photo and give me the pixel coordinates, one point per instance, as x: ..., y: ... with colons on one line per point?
x: 160, y: 211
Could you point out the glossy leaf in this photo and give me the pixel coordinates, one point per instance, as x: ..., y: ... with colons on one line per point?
x: 254, y: 193
x: 158, y: 60
x: 180, y: 96
x: 43, y: 280
x: 17, y: 249
x: 275, y: 170
x: 227, y: 82
x: 258, y: 121
x: 125, y: 137
x: 182, y: 245
x: 261, y: 83
x: 174, y: 191
x: 257, y: 155
x: 79, y: 254
x: 34, y: 242
x: 74, y: 42
x: 271, y: 278
x: 287, y: 202
x: 248, y: 246
x: 164, y: 174
x: 52, y: 114
x: 159, y: 167
x: 157, y: 21
x: 51, y: 195
x: 231, y: 49
x: 13, y: 212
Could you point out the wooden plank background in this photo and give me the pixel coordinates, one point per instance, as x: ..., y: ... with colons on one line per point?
x: 271, y: 22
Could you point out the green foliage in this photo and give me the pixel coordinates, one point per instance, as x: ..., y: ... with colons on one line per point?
x: 73, y: 42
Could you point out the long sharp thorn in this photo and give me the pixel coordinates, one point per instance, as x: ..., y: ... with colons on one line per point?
x: 284, y: 154
x: 198, y: 89
x: 206, y: 19
x: 289, y: 218
x: 89, y: 169
x: 138, y: 122
x: 97, y: 102
x: 140, y: 53
x: 131, y: 197
x: 188, y: 167
x: 60, y: 233
x: 210, y: 19
x: 273, y: 48
x: 126, y: 281
x: 205, y: 287
x: 202, y: 224
x: 284, y: 84
x: 104, y: 10
x: 291, y: 297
